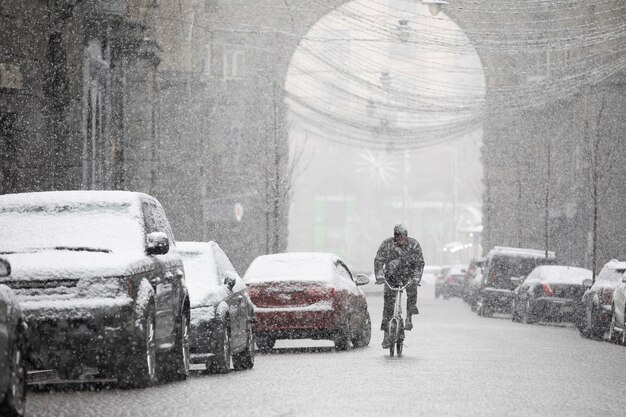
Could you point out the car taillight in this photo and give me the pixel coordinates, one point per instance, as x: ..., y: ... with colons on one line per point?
x: 606, y: 296
x: 547, y: 290
x: 130, y: 287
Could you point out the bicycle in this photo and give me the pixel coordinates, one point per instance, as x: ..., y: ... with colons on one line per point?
x: 396, y: 322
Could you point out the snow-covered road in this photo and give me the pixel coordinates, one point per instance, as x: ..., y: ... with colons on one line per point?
x: 455, y: 364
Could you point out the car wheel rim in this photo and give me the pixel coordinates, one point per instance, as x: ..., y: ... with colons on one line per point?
x: 185, y: 344
x: 150, y: 348
x: 17, y: 379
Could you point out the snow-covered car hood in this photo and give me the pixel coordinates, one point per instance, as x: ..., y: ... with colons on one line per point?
x: 67, y: 264
x: 202, y: 297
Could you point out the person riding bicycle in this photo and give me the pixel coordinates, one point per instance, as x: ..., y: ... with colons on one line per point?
x: 399, y: 260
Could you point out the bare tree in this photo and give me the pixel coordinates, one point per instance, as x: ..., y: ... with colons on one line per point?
x: 280, y: 165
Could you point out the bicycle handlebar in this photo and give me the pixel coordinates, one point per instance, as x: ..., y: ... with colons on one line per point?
x: 399, y: 288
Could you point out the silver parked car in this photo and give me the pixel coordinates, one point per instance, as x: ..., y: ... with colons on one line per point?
x: 12, y: 351
x: 598, y: 300
x: 222, y: 315
x: 617, y: 329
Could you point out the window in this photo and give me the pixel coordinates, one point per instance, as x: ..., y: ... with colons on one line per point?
x: 234, y: 62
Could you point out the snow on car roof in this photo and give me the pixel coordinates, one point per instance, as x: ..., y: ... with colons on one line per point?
x: 563, y: 274
x: 201, y: 274
x: 193, y: 247
x: 55, y: 198
x: 523, y: 252
x: 292, y: 266
x: 615, y: 264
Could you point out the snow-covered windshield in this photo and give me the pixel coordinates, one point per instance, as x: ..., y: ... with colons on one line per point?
x: 200, y: 272
x: 610, y: 275
x: 94, y: 227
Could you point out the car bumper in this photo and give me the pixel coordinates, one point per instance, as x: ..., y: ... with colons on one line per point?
x: 321, y: 317
x: 555, y: 308
x: 498, y: 299
x: 88, y: 331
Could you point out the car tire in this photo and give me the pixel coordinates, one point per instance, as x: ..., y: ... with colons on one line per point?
x: 174, y: 365
x: 364, y: 336
x: 220, y: 363
x: 528, y: 317
x: 139, y: 369
x: 612, y: 332
x: 14, y: 402
x: 245, y: 359
x: 342, y: 339
x: 265, y: 343
x: 622, y: 340
x: 514, y: 314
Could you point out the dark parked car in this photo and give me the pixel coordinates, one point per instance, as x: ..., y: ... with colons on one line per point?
x: 308, y: 296
x: 550, y: 292
x: 598, y: 299
x: 222, y: 315
x: 502, y: 264
x: 100, y: 283
x: 12, y: 351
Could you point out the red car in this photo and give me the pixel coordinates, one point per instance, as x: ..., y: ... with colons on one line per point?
x: 307, y: 296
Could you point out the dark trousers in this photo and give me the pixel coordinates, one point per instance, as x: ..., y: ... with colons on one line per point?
x: 389, y: 303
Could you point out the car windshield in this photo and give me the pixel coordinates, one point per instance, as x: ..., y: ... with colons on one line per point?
x: 93, y: 227
x: 200, y: 272
x: 287, y: 269
x: 611, y: 275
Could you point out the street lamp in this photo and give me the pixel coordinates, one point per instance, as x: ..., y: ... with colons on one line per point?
x: 435, y: 6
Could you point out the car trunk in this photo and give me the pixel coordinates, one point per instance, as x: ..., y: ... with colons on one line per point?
x: 290, y: 294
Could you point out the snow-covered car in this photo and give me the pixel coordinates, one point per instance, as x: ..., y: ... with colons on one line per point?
x: 472, y: 269
x: 617, y: 328
x: 222, y: 315
x: 308, y: 296
x: 474, y: 288
x: 501, y: 264
x: 441, y: 278
x: 100, y: 283
x: 550, y: 292
x: 12, y: 351
x: 598, y: 300
x: 430, y: 274
x: 453, y: 281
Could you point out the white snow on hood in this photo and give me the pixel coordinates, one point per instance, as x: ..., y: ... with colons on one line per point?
x: 66, y: 264
x: 294, y: 266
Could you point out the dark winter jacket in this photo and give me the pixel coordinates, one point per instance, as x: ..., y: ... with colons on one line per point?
x: 398, y: 264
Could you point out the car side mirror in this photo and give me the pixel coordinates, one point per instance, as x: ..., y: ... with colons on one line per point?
x: 587, y: 283
x: 230, y: 281
x: 158, y: 244
x: 361, y: 279
x: 517, y: 281
x: 5, y: 268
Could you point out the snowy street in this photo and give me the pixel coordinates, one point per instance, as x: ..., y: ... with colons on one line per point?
x: 455, y: 363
